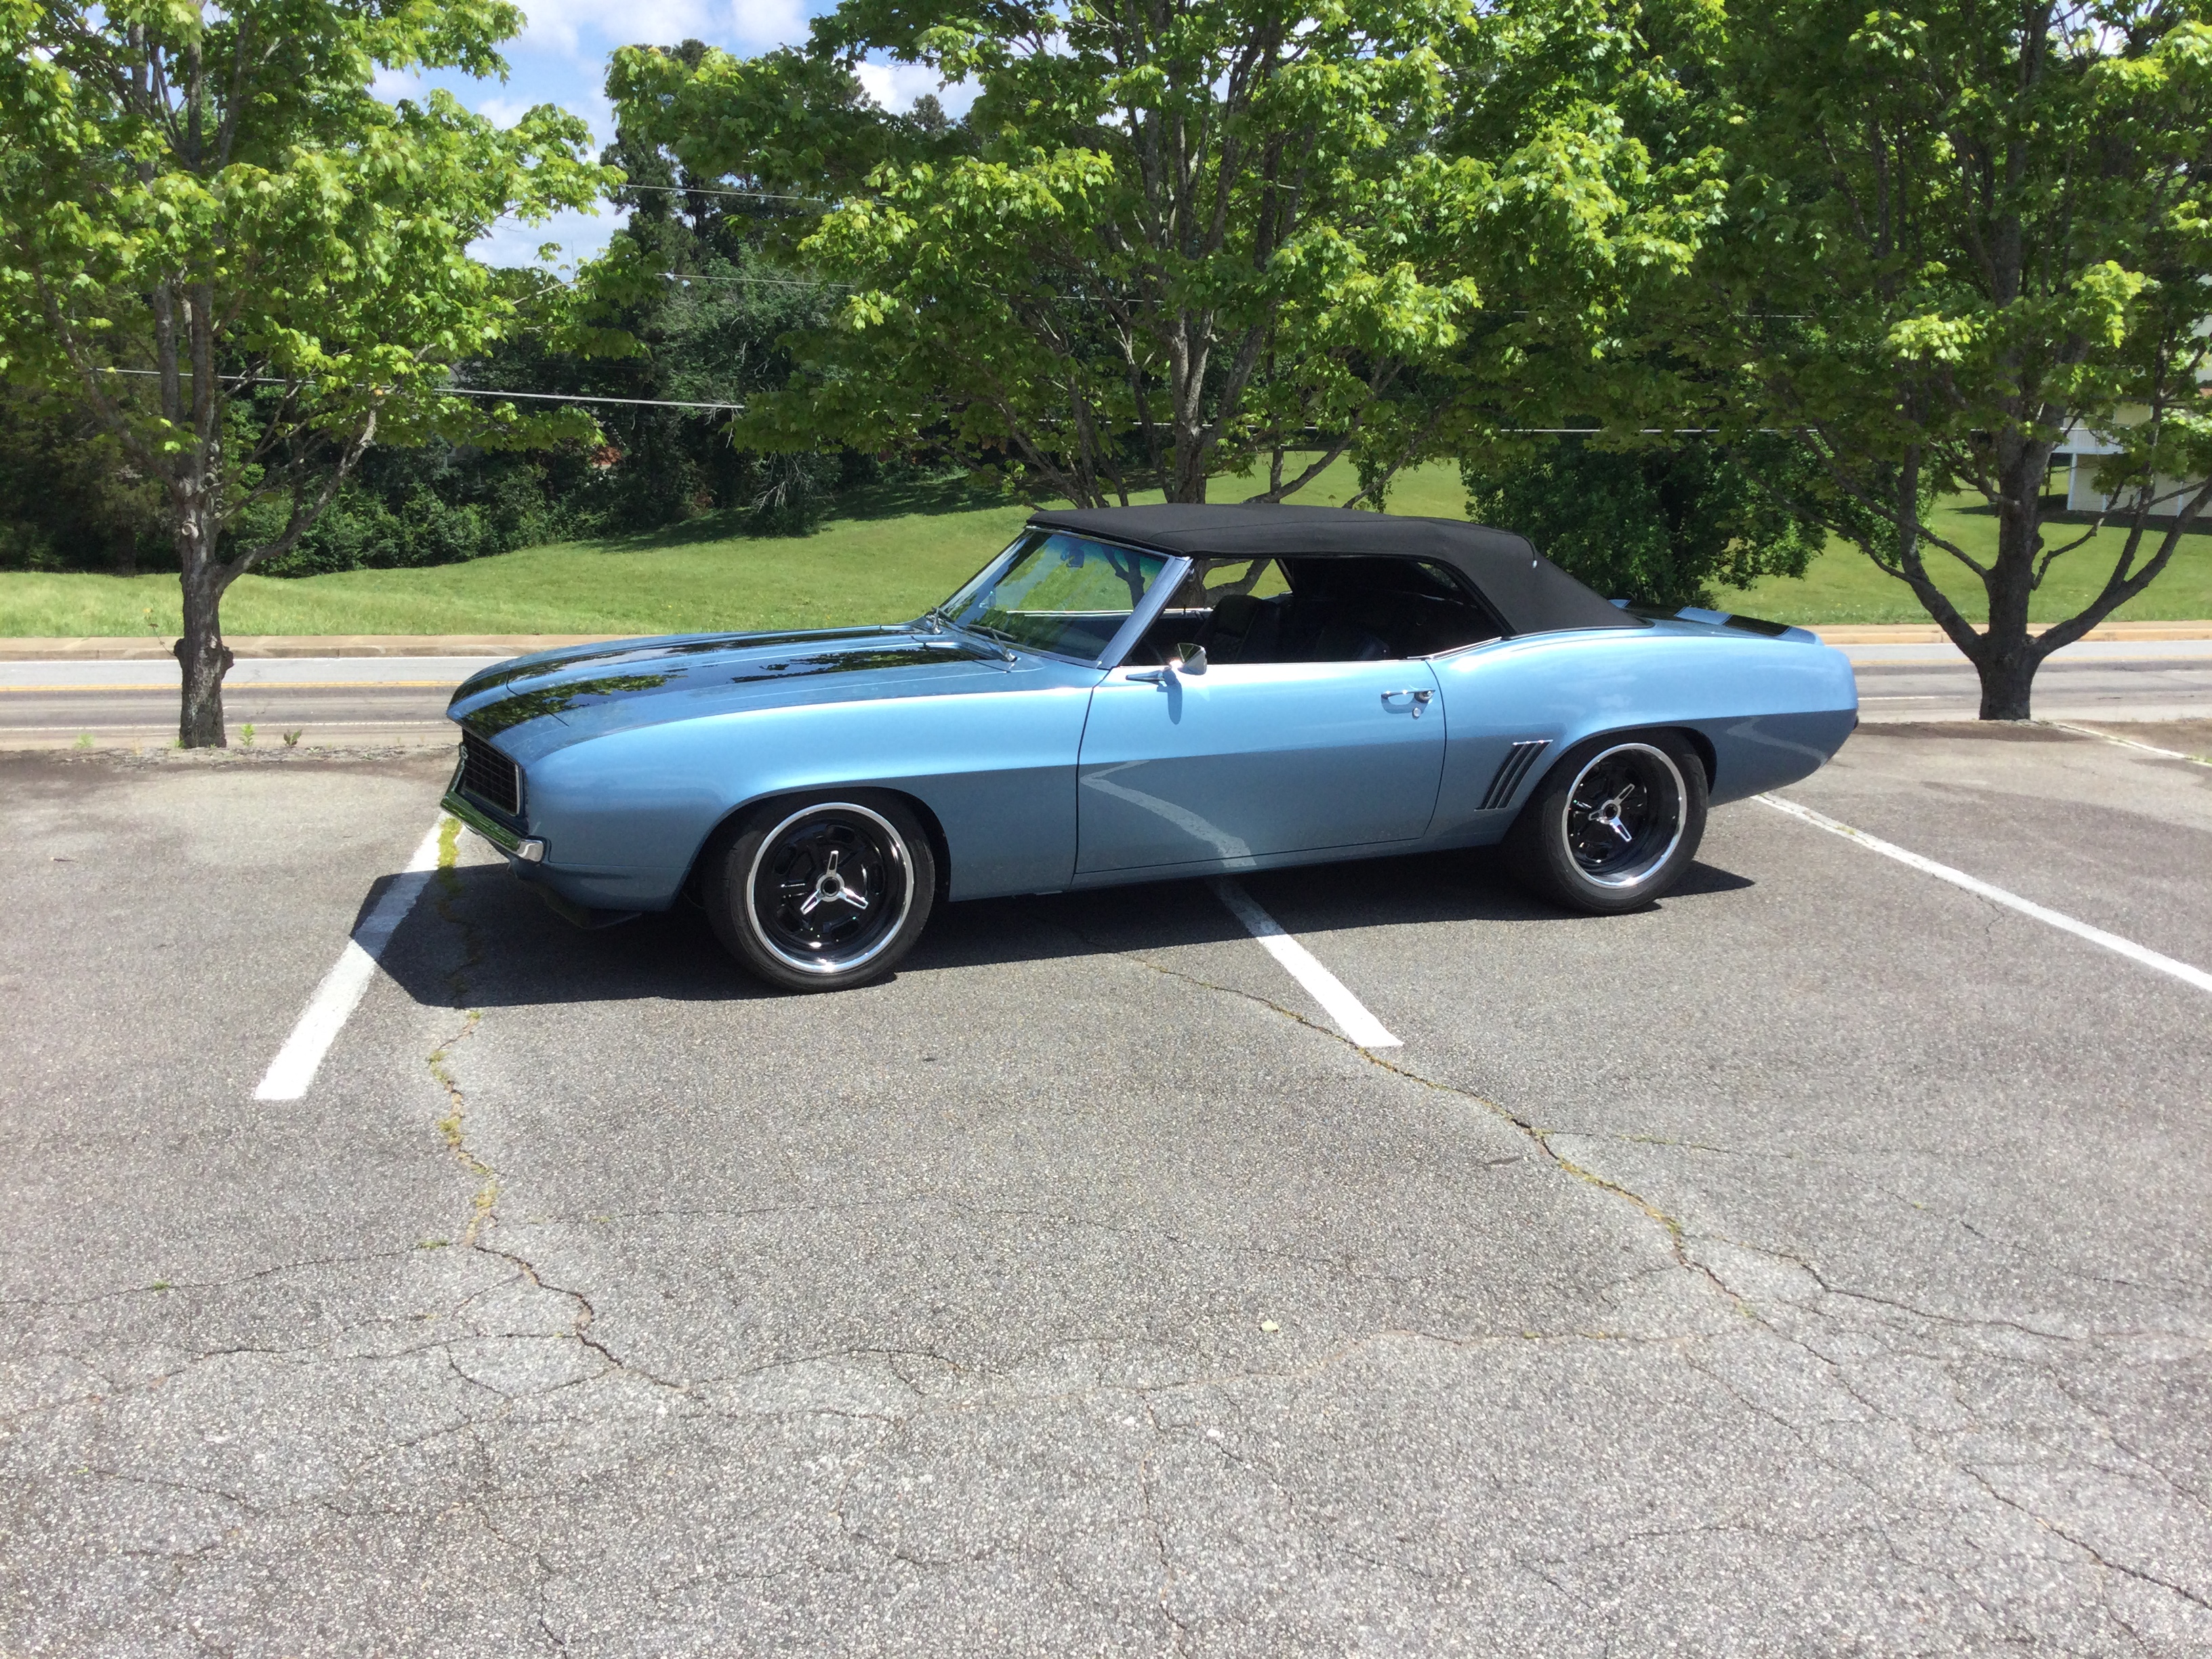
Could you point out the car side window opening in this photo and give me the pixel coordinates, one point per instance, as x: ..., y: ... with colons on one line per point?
x: 1060, y: 592
x: 1318, y: 609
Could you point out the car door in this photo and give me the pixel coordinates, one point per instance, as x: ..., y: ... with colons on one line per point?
x: 1246, y: 761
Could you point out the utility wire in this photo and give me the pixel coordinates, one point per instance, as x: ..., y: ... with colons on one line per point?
x: 475, y: 391
x: 743, y: 195
x: 671, y: 403
x: 762, y: 281
x: 850, y: 288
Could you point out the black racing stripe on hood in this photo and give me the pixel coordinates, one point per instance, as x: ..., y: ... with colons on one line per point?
x: 518, y: 708
x: 613, y: 651
x: 862, y: 662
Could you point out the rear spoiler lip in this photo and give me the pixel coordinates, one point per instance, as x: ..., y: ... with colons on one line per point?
x: 1691, y: 613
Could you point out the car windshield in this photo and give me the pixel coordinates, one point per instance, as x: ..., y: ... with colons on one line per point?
x: 1061, y: 593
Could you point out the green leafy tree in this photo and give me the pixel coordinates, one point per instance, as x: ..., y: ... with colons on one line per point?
x: 1169, y: 240
x: 1659, y: 524
x: 68, y: 497
x: 249, y: 268
x: 1957, y: 231
x: 709, y: 307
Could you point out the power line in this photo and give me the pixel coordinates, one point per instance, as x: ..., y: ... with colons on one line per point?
x: 672, y: 403
x: 581, y: 397
x: 743, y: 195
x: 851, y: 288
x: 762, y: 281
x: 475, y: 391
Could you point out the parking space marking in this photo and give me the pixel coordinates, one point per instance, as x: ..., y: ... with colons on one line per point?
x: 2126, y: 947
x: 1349, y: 1014
x: 341, y: 991
x: 2124, y: 743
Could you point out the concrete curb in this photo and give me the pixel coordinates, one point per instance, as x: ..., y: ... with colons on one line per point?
x: 1929, y: 633
x: 125, y: 649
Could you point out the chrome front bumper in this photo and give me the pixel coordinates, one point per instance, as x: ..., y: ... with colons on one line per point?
x: 528, y: 848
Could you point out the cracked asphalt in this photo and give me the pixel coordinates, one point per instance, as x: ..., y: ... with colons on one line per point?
x: 1812, y: 1264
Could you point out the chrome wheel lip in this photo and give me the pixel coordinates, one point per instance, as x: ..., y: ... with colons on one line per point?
x: 1621, y: 880
x: 817, y: 965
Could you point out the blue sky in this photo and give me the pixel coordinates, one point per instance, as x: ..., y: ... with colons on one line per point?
x: 561, y: 56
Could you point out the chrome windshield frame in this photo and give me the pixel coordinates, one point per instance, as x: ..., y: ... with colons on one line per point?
x: 1169, y: 584
x: 1174, y: 567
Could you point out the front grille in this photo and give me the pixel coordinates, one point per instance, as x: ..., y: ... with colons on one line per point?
x: 490, y: 776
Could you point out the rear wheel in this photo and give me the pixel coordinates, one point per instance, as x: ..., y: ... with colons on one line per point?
x: 823, y: 894
x: 1614, y: 825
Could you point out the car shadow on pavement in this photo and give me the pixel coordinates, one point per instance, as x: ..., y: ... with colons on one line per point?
x: 480, y: 939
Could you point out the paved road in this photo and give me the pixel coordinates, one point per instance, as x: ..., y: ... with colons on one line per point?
x: 328, y: 700
x: 357, y: 699
x: 2097, y: 680
x: 1812, y: 1264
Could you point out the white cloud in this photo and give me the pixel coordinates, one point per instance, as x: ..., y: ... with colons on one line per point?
x: 578, y: 236
x: 590, y: 29
x: 895, y: 86
x: 391, y: 86
x: 502, y: 112
x: 757, y: 25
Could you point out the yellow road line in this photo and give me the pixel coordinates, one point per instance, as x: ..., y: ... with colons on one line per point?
x: 239, y: 688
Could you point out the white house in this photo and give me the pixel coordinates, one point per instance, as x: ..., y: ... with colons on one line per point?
x: 2080, y: 451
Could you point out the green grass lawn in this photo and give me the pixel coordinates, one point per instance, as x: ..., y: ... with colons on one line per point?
x: 1842, y: 584
x: 888, y: 555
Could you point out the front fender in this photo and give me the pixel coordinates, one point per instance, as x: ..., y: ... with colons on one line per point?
x: 623, y: 814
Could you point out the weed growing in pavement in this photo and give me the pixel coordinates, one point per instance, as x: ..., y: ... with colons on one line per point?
x: 246, y: 734
x: 84, y: 739
x: 291, y: 739
x: 453, y: 1126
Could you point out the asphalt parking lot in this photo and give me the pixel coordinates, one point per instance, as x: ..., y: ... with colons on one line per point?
x: 1814, y: 1263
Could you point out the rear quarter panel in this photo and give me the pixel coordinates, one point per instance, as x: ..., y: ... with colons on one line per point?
x: 1772, y: 710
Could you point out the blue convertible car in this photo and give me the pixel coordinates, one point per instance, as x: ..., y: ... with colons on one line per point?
x: 1135, y: 694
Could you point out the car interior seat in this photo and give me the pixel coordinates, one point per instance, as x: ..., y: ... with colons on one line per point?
x: 1242, y: 629
x: 1354, y: 632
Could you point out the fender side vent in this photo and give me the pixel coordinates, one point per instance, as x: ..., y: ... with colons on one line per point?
x: 1511, y: 770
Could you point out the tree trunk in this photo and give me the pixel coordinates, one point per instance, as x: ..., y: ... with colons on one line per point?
x: 2007, y: 678
x: 2009, y: 659
x: 201, y: 653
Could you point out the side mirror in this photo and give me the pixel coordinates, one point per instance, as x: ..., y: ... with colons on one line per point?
x: 1194, y: 662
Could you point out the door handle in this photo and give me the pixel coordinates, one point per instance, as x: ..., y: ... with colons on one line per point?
x: 1420, y: 698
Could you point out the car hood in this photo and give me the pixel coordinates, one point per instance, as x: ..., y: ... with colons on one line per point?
x: 534, y: 704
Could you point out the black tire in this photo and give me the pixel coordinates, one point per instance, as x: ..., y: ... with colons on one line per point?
x: 781, y: 899
x: 1614, y: 824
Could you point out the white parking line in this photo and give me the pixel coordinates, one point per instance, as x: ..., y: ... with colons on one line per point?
x: 2126, y: 947
x: 340, y: 993
x: 1349, y: 1014
x: 2124, y: 743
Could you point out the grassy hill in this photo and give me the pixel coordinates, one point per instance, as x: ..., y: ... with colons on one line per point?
x: 888, y: 554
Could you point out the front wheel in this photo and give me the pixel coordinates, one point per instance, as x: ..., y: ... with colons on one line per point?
x: 1614, y: 825
x: 823, y: 894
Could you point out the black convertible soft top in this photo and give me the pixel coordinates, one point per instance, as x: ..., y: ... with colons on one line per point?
x: 1530, y: 594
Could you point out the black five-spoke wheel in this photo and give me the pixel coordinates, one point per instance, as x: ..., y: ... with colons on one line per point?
x: 1624, y: 813
x: 1614, y: 825
x: 819, y: 895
